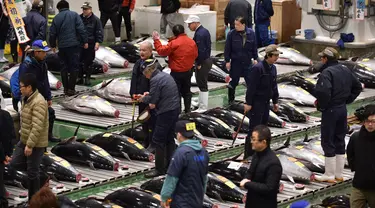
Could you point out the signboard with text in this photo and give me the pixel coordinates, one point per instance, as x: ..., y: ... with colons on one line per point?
x: 17, y: 22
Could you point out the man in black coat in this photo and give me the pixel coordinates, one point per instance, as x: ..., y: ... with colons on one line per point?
x: 110, y: 10
x: 94, y: 32
x: 170, y: 16
x: 336, y: 87
x: 236, y: 8
x: 361, y: 153
x: 7, y: 134
x: 263, y: 178
x: 140, y: 84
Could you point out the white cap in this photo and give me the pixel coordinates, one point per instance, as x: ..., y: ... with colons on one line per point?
x: 192, y: 18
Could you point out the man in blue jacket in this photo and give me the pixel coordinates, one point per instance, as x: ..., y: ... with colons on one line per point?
x: 336, y: 87
x: 67, y: 30
x: 164, y: 98
x: 35, y: 63
x: 203, y: 63
x: 35, y: 25
x: 262, y: 88
x: 186, y: 179
x: 239, y: 53
x: 263, y: 11
x: 94, y: 32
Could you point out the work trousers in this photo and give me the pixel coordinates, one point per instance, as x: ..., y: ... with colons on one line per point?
x: 31, y: 164
x: 362, y: 198
x: 170, y: 20
x: 3, y: 199
x: 237, y: 70
x: 201, y: 75
x: 262, y: 34
x: 183, y: 81
x: 104, y: 17
x: 124, y: 13
x: 163, y: 138
x: 70, y: 58
x: 148, y: 126
x: 333, y: 130
x: 258, y: 115
x: 4, y: 27
x: 87, y: 58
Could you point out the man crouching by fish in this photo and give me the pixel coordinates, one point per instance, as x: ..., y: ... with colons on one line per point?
x: 361, y: 154
x: 35, y: 63
x: 34, y: 132
x: 165, y: 99
x: 336, y: 87
x: 140, y: 84
x: 261, y: 88
x: 263, y: 178
x: 186, y: 179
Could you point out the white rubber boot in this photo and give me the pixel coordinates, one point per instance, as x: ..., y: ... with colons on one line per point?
x: 203, y: 102
x: 2, y: 58
x: 329, y: 175
x: 340, y: 164
x: 117, y: 40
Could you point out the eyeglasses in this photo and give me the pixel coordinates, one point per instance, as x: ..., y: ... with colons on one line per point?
x: 372, y: 122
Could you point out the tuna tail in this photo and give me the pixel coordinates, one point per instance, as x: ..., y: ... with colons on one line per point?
x: 126, y: 156
x: 91, y: 164
x: 290, y: 178
x: 106, y: 83
x: 219, y: 55
x: 76, y: 131
x: 217, y: 196
x: 285, y: 145
x: 306, y: 139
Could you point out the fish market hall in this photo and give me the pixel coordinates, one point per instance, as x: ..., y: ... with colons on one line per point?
x: 175, y: 103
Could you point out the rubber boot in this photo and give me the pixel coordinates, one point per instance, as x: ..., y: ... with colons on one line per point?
x: 329, y: 175
x: 203, y: 102
x: 51, y: 120
x: 34, y: 186
x: 88, y: 76
x: 231, y: 94
x: 129, y: 36
x: 187, y: 103
x: 80, y: 76
x: 64, y: 80
x: 2, y: 58
x: 72, y: 83
x: 340, y: 163
x: 159, y: 163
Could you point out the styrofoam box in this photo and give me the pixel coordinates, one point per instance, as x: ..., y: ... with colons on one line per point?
x: 147, y: 19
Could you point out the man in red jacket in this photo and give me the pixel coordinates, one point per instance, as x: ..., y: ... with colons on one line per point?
x: 127, y: 7
x: 182, y: 52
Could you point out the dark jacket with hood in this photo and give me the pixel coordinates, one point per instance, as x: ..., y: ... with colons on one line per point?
x: 163, y: 93
x: 35, y: 25
x: 336, y: 86
x: 7, y: 134
x: 68, y: 29
x: 31, y: 65
x: 237, y: 8
x: 264, y: 175
x: 109, y: 6
x: 169, y: 6
x: 360, y: 153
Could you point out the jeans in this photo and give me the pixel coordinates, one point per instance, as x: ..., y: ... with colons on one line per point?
x: 30, y: 164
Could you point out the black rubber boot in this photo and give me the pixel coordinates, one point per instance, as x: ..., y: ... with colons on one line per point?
x: 64, y: 80
x: 129, y: 36
x: 88, y: 76
x: 34, y: 186
x: 51, y: 120
x: 159, y: 164
x: 187, y: 103
x: 72, y: 83
x: 248, y: 148
x: 231, y: 94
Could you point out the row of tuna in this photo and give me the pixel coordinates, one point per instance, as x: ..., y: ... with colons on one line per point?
x: 5, y: 77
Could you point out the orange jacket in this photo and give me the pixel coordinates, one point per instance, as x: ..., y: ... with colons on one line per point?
x: 182, y: 52
x: 125, y: 3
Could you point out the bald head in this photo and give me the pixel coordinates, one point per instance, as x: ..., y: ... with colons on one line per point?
x: 145, y: 50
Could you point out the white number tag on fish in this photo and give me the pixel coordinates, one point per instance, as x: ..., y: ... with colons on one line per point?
x: 84, y: 97
x: 107, y: 135
x: 304, y: 91
x: 110, y: 49
x: 64, y: 163
x: 108, y: 103
x: 299, y: 147
x: 234, y: 165
x: 227, y: 182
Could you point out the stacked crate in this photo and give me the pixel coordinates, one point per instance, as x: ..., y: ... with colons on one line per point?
x: 218, y: 6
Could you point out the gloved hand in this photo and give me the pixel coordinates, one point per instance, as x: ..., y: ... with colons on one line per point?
x: 15, y: 104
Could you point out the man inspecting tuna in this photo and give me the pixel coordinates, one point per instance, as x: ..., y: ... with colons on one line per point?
x: 165, y: 99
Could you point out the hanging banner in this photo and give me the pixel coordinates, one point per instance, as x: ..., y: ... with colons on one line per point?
x: 17, y: 22
x: 327, y: 4
x: 360, y: 10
